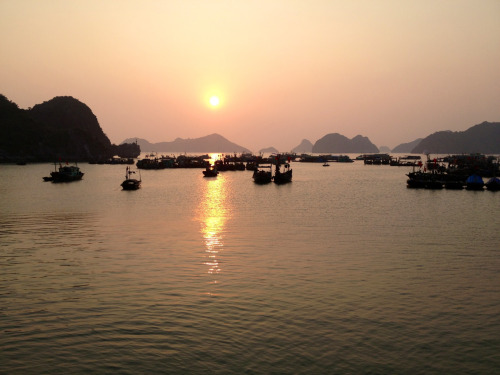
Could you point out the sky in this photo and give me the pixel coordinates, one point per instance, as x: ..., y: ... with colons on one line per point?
x: 282, y: 70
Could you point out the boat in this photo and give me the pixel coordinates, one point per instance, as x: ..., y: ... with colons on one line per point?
x: 474, y: 182
x: 434, y: 181
x: 283, y: 172
x: 416, y: 180
x: 131, y: 183
x: 453, y: 181
x: 493, y: 184
x: 65, y: 173
x: 261, y: 176
x: 210, y: 172
x: 326, y: 164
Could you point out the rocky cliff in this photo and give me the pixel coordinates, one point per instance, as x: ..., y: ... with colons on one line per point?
x: 304, y: 147
x: 407, y: 147
x: 482, y: 138
x: 338, y: 143
x: 62, y: 128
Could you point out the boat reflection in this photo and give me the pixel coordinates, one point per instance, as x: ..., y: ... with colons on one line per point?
x: 213, y: 215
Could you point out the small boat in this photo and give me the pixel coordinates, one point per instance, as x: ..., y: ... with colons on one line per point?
x: 261, y: 176
x: 493, y: 184
x: 474, y: 182
x: 326, y: 164
x: 131, y: 183
x: 282, y: 173
x: 65, y: 173
x: 210, y: 172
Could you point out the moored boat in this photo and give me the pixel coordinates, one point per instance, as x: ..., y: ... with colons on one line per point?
x: 65, y: 173
x: 261, y: 176
x: 474, y: 182
x: 131, y: 183
x: 210, y: 172
x: 283, y: 172
x: 416, y: 180
x: 453, y: 182
x: 493, y: 184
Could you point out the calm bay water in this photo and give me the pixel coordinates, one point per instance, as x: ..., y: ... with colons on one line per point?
x: 344, y: 270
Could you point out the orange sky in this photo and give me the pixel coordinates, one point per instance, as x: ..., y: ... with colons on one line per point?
x: 285, y: 70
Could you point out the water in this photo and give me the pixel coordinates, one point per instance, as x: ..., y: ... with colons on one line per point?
x: 344, y: 270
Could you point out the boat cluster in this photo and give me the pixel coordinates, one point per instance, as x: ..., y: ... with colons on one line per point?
x: 113, y: 160
x: 279, y: 169
x: 461, y: 171
x: 276, y: 169
x: 225, y: 163
x: 440, y: 180
x: 306, y: 158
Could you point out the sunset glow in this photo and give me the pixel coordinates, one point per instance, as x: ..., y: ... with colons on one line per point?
x: 392, y: 71
x: 214, y: 101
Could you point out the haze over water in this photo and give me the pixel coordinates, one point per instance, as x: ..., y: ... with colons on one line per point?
x: 344, y: 270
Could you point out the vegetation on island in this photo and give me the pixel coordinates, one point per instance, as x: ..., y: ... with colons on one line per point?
x: 62, y: 128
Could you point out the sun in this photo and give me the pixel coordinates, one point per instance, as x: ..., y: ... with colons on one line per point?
x: 214, y: 101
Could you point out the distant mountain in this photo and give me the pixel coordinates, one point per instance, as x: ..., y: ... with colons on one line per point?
x: 62, y: 128
x: 407, y: 147
x: 305, y: 147
x: 338, y: 143
x: 482, y: 138
x: 209, y: 143
x: 384, y: 149
x: 268, y: 150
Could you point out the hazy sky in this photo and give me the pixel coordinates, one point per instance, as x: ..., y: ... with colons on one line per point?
x: 391, y: 70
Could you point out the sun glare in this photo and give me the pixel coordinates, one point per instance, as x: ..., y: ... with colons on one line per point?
x: 214, y: 101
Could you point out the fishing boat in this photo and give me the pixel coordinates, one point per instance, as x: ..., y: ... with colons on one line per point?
x: 283, y: 172
x: 453, y: 181
x: 211, y: 171
x: 474, y: 182
x: 131, y: 183
x: 65, y: 173
x: 262, y: 176
x: 493, y: 184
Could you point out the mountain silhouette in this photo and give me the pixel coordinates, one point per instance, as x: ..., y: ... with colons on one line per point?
x: 482, y: 138
x: 210, y: 143
x: 61, y: 128
x: 335, y: 142
x: 407, y: 147
x: 304, y: 147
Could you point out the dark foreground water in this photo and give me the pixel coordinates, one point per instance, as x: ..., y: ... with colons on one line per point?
x: 343, y: 271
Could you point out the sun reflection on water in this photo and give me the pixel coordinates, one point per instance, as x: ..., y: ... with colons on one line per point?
x: 213, y: 216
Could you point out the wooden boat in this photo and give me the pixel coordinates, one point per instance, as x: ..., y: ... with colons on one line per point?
x: 261, y: 176
x: 453, y: 181
x: 65, y: 173
x: 131, y: 183
x: 474, y: 182
x: 282, y: 173
x: 493, y: 184
x: 210, y: 172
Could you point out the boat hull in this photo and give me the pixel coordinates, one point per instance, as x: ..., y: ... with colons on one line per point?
x: 131, y: 184
x: 283, y: 177
x: 262, y: 177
